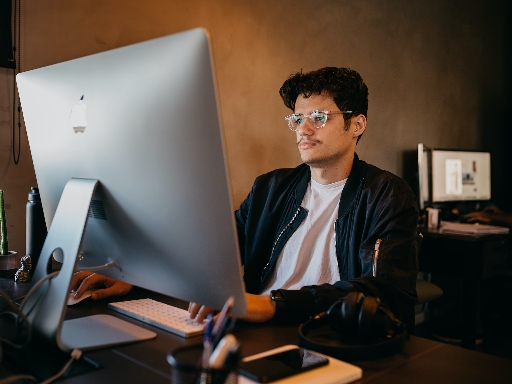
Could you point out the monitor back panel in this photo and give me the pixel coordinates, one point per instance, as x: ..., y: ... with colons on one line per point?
x: 153, y: 139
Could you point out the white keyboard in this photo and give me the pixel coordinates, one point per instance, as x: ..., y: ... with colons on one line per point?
x: 160, y: 315
x: 473, y: 229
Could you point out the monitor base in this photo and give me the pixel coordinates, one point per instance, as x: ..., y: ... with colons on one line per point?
x: 100, y: 331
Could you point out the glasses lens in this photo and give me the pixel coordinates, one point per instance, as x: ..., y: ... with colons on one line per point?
x: 294, y: 121
x: 318, y: 118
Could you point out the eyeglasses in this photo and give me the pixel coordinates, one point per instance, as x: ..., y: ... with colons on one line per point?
x: 317, y: 118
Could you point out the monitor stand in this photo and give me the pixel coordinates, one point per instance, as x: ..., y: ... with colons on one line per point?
x: 46, y: 306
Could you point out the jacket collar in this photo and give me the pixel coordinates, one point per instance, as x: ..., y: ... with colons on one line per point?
x: 354, y: 184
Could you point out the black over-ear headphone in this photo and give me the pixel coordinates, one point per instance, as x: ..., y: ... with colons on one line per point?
x: 354, y: 328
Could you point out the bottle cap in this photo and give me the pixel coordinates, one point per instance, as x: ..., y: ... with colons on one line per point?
x: 34, y: 195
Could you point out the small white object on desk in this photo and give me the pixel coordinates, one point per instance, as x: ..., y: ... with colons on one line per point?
x: 433, y: 217
x: 227, y: 345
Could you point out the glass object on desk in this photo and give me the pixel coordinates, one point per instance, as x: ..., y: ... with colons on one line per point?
x: 433, y: 217
x: 186, y: 368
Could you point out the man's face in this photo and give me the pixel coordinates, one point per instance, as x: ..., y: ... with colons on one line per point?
x: 331, y: 145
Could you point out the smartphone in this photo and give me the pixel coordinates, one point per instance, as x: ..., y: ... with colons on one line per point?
x: 281, y: 365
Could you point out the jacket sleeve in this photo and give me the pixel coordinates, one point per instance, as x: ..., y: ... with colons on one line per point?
x: 240, y: 220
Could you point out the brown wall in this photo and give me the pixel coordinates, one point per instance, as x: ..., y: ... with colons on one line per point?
x: 436, y: 71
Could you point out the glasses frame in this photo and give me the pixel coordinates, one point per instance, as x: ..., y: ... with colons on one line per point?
x: 294, y: 125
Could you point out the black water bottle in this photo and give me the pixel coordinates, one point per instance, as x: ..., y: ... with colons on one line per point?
x: 36, y: 226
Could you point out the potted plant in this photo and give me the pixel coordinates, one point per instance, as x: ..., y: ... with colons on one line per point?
x: 8, y: 259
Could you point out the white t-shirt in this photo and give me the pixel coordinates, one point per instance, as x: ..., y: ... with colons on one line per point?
x: 309, y: 256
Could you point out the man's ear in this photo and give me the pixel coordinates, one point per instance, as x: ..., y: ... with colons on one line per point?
x: 360, y: 125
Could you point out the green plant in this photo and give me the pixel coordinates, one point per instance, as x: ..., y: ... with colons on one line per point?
x: 4, y: 243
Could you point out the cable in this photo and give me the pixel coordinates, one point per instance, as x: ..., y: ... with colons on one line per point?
x: 103, y: 267
x: 19, y: 317
x: 15, y: 97
x: 30, y: 292
x: 75, y: 355
x: 35, y: 287
x: 14, y: 378
x: 18, y: 299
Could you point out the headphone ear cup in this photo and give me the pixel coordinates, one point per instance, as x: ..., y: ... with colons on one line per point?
x: 374, y: 321
x: 381, y: 324
x: 350, y: 312
x: 367, y: 314
x: 335, y: 319
x: 357, y: 317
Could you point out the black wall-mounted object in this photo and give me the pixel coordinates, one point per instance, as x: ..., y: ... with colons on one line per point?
x: 6, y: 47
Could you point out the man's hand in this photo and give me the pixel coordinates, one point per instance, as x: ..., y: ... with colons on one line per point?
x: 479, y: 216
x: 487, y: 215
x: 199, y: 312
x: 260, y: 308
x: 84, y: 280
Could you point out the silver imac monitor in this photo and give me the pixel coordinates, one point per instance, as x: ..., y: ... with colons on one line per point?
x: 128, y: 145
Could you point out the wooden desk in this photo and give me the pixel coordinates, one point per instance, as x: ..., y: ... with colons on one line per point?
x: 469, y: 257
x: 422, y: 361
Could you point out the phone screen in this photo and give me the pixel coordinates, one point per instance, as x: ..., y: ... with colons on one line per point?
x: 281, y: 365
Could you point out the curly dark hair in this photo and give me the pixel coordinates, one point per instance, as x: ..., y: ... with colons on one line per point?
x: 344, y: 85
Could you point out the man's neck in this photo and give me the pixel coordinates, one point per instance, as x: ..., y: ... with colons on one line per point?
x: 332, y: 173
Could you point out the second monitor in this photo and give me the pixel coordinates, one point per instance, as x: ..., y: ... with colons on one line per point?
x: 446, y: 175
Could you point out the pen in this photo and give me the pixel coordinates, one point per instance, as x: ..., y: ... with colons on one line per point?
x: 226, y: 327
x: 222, y: 315
x: 376, y: 257
x: 207, y: 342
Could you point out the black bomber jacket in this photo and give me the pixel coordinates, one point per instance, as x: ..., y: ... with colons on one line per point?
x: 374, y: 204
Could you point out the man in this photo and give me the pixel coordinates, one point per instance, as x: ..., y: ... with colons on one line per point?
x: 308, y: 235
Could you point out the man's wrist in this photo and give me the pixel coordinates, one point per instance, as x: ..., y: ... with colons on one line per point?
x: 293, y: 305
x: 278, y: 299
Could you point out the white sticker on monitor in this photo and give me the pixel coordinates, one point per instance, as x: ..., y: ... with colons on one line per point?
x: 453, y: 176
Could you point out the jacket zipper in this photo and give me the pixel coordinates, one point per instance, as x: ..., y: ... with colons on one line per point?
x: 336, y: 245
x: 277, y: 241
x: 376, y: 257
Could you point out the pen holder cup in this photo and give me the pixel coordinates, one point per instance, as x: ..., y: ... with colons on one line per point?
x: 186, y: 368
